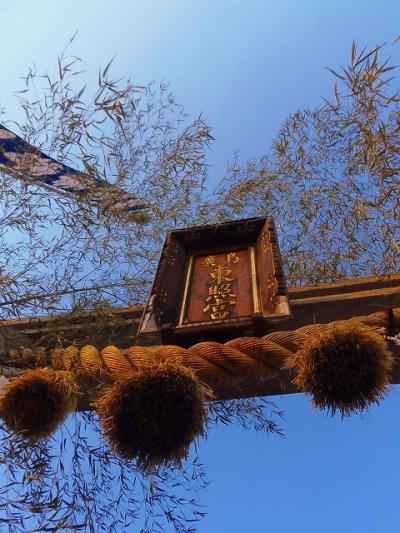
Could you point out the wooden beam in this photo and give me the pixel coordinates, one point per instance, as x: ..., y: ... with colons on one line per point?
x: 319, y: 303
x: 327, y: 302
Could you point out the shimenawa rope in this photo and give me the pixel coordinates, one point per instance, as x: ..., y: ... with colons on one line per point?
x: 214, y: 363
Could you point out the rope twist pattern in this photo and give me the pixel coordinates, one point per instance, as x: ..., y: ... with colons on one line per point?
x: 214, y: 363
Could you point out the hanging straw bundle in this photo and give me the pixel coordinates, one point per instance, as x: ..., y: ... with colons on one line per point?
x: 345, y: 367
x: 154, y: 415
x: 37, y: 402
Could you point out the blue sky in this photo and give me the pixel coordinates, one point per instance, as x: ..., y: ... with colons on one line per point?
x: 245, y: 66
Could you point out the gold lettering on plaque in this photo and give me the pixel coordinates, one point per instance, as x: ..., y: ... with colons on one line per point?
x: 211, y: 260
x: 220, y: 296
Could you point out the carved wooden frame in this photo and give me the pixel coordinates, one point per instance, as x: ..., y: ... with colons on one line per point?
x: 164, y: 313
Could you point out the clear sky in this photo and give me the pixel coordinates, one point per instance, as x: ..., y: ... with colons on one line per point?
x: 245, y: 66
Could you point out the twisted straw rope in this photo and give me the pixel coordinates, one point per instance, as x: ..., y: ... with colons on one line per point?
x: 216, y: 364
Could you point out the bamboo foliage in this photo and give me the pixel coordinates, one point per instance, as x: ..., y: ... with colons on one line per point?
x: 330, y: 179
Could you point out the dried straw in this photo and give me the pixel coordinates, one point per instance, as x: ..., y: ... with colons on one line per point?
x: 154, y: 415
x: 37, y: 402
x: 344, y: 368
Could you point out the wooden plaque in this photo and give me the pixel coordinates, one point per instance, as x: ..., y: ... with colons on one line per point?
x: 216, y: 281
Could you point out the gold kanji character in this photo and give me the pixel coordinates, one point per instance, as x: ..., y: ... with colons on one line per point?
x: 219, y: 312
x: 219, y: 295
x: 220, y: 274
x: 210, y: 260
x: 232, y: 257
x: 225, y: 291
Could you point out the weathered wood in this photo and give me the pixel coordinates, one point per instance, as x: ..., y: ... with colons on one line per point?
x: 327, y: 302
x: 31, y: 331
x: 11, y: 337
